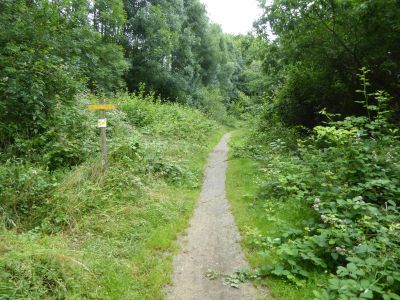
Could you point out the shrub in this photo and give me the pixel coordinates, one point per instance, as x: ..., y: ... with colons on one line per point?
x: 349, y: 174
x: 23, y: 189
x: 70, y: 138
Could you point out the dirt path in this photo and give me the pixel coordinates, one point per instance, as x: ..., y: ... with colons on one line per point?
x: 211, y: 243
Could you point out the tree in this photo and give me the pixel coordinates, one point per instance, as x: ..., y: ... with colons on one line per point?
x: 324, y: 43
x: 174, y: 49
x: 48, y: 53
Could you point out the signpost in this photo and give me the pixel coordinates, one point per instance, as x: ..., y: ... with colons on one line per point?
x: 102, y: 124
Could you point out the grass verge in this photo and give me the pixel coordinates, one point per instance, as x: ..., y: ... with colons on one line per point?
x: 258, y: 216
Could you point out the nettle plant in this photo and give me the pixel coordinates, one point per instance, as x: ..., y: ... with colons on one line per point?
x: 352, y: 175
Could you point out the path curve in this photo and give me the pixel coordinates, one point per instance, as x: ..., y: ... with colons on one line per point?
x: 212, y: 242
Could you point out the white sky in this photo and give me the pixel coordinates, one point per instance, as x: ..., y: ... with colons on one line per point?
x: 235, y: 16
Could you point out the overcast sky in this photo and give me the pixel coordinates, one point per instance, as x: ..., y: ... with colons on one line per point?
x: 235, y: 16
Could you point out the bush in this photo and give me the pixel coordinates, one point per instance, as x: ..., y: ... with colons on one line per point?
x: 46, y: 58
x: 349, y: 174
x: 23, y: 189
x: 71, y: 137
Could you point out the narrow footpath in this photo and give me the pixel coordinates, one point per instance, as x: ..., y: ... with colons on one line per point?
x: 212, y: 242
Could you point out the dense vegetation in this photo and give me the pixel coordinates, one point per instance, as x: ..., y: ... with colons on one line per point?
x: 65, y: 233
x: 320, y: 47
x: 52, y: 50
x: 329, y: 205
x: 322, y: 209
x: 67, y: 224
x: 314, y: 177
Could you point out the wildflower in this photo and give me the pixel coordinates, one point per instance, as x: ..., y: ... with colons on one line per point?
x: 324, y: 219
x: 359, y: 200
x: 374, y: 156
x: 340, y: 250
x: 317, y: 204
x: 389, y: 156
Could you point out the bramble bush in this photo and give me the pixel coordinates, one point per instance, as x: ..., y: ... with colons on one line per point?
x: 348, y: 173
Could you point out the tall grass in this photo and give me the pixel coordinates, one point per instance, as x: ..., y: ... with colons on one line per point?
x: 106, y: 235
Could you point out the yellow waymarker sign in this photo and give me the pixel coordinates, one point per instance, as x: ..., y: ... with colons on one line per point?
x: 102, y: 107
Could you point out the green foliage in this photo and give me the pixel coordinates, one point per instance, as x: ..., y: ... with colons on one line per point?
x: 68, y: 141
x: 348, y: 172
x: 175, y: 50
x: 52, y: 51
x: 72, y: 140
x: 46, y: 58
x: 70, y: 224
x: 234, y: 280
x: 212, y: 103
x: 172, y: 120
x: 41, y: 278
x: 65, y: 231
x: 251, y: 80
x: 261, y: 218
x: 24, y: 188
x: 317, y: 50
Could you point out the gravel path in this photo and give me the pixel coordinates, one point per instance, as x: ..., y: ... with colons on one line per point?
x: 212, y: 242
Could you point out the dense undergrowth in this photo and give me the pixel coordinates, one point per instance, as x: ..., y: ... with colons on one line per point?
x: 258, y: 216
x: 344, y: 181
x: 70, y: 230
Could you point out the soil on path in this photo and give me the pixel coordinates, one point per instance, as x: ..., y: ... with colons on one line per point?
x: 212, y: 242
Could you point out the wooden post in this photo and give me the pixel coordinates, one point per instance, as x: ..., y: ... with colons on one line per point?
x: 102, y: 124
x: 103, y: 138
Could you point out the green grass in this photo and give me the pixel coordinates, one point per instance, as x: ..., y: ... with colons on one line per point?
x: 266, y: 217
x: 111, y: 235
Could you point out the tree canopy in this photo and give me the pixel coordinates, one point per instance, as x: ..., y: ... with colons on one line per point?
x: 52, y: 50
x: 322, y: 45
